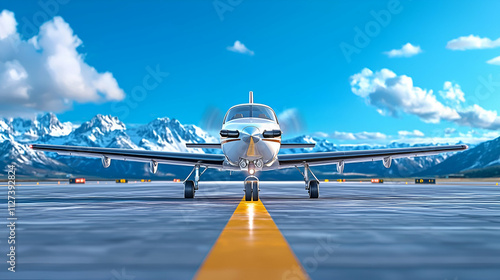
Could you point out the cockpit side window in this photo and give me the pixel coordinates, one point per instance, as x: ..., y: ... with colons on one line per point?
x: 250, y: 111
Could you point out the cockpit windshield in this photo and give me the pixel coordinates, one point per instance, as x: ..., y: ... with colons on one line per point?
x: 250, y: 111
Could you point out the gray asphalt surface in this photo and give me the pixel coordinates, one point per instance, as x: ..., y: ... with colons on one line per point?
x: 353, y: 231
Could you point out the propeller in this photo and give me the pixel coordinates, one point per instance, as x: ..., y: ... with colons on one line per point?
x: 212, y: 119
x: 291, y: 122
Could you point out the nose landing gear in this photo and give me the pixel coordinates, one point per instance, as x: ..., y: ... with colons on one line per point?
x: 251, y: 188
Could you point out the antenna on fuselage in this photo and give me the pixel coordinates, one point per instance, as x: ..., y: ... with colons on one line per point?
x: 250, y: 97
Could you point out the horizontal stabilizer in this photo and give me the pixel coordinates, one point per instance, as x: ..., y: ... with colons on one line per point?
x: 297, y: 146
x: 203, y: 145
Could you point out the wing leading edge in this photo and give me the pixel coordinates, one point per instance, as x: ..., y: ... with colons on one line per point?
x: 326, y: 158
x: 187, y: 159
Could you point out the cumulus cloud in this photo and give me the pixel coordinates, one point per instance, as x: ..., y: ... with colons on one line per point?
x: 46, y: 72
x: 491, y: 134
x: 449, y: 131
x: 240, y: 48
x: 8, y: 24
x: 452, y: 93
x: 472, y: 42
x: 357, y: 136
x: 392, y: 95
x: 406, y: 50
x: 494, y: 61
x: 414, y: 133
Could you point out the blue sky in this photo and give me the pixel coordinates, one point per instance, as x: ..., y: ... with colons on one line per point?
x: 294, y: 61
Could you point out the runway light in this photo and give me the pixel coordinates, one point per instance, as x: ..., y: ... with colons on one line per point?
x: 378, y: 181
x: 326, y: 180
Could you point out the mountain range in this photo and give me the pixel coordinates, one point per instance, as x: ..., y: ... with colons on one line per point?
x: 165, y: 134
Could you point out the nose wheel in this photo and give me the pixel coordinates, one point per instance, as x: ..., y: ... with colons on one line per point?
x: 251, y: 188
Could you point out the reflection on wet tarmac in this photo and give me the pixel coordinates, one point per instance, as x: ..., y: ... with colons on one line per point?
x: 353, y: 231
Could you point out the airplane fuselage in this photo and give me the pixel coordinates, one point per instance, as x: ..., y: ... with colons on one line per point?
x: 251, y: 137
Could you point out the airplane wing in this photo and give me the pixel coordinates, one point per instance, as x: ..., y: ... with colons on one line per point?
x: 326, y: 158
x: 218, y: 145
x: 204, y: 145
x: 187, y: 159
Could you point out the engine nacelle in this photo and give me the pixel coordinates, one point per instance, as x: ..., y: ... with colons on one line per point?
x: 153, y: 166
x: 340, y: 167
x: 106, y: 161
x: 387, y: 162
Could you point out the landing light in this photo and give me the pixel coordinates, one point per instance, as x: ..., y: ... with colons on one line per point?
x: 251, y: 171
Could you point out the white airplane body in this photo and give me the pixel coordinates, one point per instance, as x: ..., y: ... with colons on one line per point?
x: 250, y: 141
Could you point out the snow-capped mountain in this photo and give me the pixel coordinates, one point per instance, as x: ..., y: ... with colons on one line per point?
x: 164, y: 134
x: 33, y: 129
x: 482, y: 156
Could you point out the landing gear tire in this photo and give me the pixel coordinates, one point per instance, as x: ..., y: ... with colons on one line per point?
x: 189, y: 189
x: 248, y: 191
x: 255, y: 190
x: 313, y: 189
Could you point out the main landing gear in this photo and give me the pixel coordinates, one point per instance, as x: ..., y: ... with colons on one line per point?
x: 251, y: 188
x: 312, y: 186
x: 190, y: 186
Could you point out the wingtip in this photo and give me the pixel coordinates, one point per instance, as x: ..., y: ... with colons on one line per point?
x: 465, y: 147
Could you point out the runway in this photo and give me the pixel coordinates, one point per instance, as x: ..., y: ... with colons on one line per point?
x: 353, y: 231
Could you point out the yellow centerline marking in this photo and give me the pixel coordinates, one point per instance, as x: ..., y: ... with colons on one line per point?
x: 251, y: 148
x: 251, y: 247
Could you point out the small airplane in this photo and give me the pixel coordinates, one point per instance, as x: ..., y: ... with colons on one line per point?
x: 250, y: 140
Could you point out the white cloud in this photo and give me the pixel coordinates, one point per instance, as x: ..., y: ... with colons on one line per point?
x: 406, y: 50
x: 240, y: 48
x: 414, y: 133
x: 494, y: 61
x: 491, y: 134
x: 472, y: 42
x: 357, y: 136
x: 449, y: 131
x: 392, y: 94
x: 7, y: 24
x: 452, y: 93
x: 46, y: 72
x: 450, y: 136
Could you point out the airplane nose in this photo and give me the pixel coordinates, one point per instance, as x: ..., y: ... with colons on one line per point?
x: 250, y: 133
